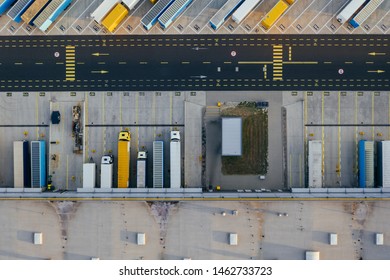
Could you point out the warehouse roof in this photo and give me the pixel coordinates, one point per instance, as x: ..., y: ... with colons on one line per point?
x: 231, y: 136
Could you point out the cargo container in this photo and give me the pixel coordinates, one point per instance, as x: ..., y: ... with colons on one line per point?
x: 366, y: 164
x: 275, y: 13
x: 142, y: 170
x: 244, y: 10
x: 103, y: 9
x: 15, y: 13
x: 21, y: 164
x: 32, y: 12
x: 349, y: 10
x: 155, y: 12
x: 38, y: 164
x: 89, y: 175
x: 130, y: 4
x: 365, y: 13
x: 158, y: 164
x: 106, y: 172
x: 226, y: 10
x: 175, y: 160
x: 50, y: 14
x: 383, y: 164
x: 173, y: 12
x: 123, y: 159
x: 5, y: 4
x: 315, y: 164
x: 115, y: 17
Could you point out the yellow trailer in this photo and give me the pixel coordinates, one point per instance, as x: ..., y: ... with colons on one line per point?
x: 123, y: 159
x: 34, y: 10
x: 276, y: 12
x: 114, y: 18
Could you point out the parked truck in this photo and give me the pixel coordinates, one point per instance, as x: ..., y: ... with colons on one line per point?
x: 106, y: 172
x: 276, y: 12
x: 89, y: 175
x: 38, y: 164
x: 158, y: 164
x: 142, y: 170
x: 21, y: 164
x: 115, y: 17
x: 123, y: 159
x: 175, y: 160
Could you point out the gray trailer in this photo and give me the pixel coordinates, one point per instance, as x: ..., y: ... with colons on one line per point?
x: 158, y: 164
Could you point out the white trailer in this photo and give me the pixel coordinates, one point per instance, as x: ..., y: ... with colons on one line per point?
x: 383, y: 164
x: 141, y: 169
x: 349, y: 10
x: 175, y: 160
x: 130, y: 3
x: 315, y: 164
x: 104, y: 8
x: 106, y: 172
x: 244, y: 10
x: 89, y: 175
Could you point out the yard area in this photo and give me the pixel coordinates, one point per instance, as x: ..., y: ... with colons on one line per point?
x: 254, y: 143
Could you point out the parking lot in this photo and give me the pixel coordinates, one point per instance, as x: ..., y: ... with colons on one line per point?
x: 339, y: 120
x: 148, y: 116
x: 304, y: 17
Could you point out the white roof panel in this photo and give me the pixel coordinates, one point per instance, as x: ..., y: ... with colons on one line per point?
x: 231, y: 136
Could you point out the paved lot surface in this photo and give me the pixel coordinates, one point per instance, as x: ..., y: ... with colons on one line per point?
x: 304, y: 17
x: 214, y: 141
x: 193, y: 229
x: 339, y: 120
x: 148, y: 115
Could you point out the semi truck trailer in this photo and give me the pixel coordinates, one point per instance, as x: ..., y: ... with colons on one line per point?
x: 123, y: 159
x: 141, y: 170
x: 106, y: 172
x: 175, y: 160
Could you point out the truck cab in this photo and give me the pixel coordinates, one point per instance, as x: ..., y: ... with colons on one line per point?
x: 107, y: 159
x: 124, y: 136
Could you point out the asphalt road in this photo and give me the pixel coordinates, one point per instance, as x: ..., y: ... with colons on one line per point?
x: 223, y: 62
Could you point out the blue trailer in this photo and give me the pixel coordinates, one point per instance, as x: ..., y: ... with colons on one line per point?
x: 18, y: 9
x: 5, y: 4
x: 173, y: 12
x: 38, y: 164
x: 154, y: 13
